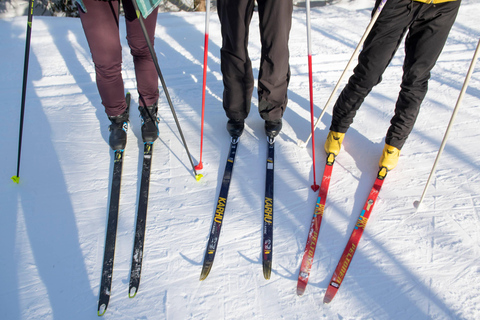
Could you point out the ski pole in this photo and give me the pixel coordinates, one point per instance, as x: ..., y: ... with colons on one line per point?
x: 199, y: 166
x: 417, y: 204
x: 167, y: 95
x: 16, y: 178
x: 310, y: 82
x: 357, y: 49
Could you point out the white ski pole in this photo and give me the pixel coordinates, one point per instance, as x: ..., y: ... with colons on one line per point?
x: 417, y: 204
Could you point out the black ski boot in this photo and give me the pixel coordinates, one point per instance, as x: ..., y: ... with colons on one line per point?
x: 235, y: 127
x: 118, y: 131
x: 149, y: 122
x: 273, y: 128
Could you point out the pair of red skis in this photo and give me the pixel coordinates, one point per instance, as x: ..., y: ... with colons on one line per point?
x: 352, y: 244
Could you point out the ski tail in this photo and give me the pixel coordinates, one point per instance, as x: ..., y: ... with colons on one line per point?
x: 352, y: 244
x: 267, y: 255
x: 314, y: 230
x: 219, y: 212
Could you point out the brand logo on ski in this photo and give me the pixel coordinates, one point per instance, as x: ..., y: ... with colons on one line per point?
x: 319, y: 208
x: 268, y: 210
x: 220, y: 209
x: 346, y: 263
x: 362, y: 221
x: 267, y: 246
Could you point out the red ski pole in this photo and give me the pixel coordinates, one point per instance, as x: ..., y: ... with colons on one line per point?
x: 310, y: 80
x: 199, y: 166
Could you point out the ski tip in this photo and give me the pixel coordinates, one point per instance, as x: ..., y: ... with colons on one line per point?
x: 199, y: 166
x: 300, y: 291
x: 133, y: 292
x: 198, y: 176
x: 102, y: 309
x: 16, y: 179
x: 327, y: 300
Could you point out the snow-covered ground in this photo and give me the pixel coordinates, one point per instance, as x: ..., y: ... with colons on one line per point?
x: 409, y: 265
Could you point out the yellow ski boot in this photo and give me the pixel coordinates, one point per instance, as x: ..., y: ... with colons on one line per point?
x: 334, y: 142
x: 389, y: 158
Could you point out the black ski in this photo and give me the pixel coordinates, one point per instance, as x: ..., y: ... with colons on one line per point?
x: 268, y: 212
x: 110, y: 238
x: 219, y: 211
x: 138, y: 244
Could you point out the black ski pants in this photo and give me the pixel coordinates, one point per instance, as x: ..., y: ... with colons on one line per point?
x: 275, y: 20
x: 426, y: 27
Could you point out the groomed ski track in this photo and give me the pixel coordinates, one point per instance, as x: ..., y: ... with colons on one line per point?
x: 52, y: 225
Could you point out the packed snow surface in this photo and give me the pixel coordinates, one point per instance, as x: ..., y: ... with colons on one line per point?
x: 409, y: 264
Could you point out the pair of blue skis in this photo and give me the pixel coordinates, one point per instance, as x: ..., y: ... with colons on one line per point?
x: 222, y: 202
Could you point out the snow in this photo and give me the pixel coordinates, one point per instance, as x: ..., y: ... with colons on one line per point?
x: 409, y: 264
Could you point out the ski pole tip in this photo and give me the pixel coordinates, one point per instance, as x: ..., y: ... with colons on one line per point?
x: 198, y: 176
x: 16, y: 179
x: 301, y: 143
x: 199, y: 166
x: 315, y: 187
x: 416, y: 204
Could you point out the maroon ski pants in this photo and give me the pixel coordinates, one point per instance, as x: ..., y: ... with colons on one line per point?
x: 101, y: 27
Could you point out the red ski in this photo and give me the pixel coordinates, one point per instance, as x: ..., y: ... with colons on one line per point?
x: 352, y: 244
x: 307, y: 260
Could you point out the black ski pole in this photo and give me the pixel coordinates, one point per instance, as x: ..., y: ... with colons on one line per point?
x: 16, y: 178
x: 155, y: 61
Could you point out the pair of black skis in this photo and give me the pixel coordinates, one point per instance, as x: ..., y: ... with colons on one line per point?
x: 137, y: 256
x: 267, y: 247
